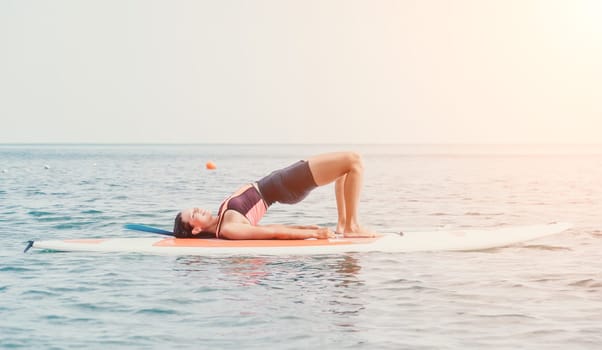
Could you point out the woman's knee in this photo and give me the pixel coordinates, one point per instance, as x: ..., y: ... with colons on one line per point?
x: 354, y: 161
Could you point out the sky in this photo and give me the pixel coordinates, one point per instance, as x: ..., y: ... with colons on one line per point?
x: 301, y: 71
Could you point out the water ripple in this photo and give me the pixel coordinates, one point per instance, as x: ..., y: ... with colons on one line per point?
x: 544, y: 294
x: 587, y: 283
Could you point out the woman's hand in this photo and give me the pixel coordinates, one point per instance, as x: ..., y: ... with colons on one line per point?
x: 324, y: 233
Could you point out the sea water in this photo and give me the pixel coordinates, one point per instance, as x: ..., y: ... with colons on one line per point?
x: 541, y: 294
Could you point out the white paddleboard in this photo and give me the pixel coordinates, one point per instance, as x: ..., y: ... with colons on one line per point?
x: 441, y: 240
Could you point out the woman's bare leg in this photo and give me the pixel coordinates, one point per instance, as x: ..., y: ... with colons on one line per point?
x: 329, y: 167
x: 339, y: 190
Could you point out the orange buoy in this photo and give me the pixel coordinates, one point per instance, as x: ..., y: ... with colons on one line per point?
x: 210, y: 166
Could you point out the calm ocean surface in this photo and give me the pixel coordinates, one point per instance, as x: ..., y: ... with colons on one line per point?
x: 543, y: 294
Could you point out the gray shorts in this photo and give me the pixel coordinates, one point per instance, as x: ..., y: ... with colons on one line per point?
x: 289, y: 185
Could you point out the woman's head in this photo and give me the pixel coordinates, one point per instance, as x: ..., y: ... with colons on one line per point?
x: 181, y: 229
x: 190, y: 222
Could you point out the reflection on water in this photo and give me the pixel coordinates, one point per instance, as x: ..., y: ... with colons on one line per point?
x: 324, y: 287
x: 262, y: 269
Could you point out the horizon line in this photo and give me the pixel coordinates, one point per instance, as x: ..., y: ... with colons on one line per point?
x: 300, y: 143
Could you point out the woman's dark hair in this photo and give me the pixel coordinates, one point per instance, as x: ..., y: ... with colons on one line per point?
x: 181, y: 229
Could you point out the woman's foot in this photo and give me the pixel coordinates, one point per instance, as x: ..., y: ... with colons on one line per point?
x: 359, y: 232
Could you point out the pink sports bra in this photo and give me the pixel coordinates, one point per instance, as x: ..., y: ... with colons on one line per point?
x: 247, y: 201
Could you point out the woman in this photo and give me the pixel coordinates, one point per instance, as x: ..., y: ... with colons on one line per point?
x: 239, y: 214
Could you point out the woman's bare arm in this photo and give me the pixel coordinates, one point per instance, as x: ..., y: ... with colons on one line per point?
x: 240, y: 231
